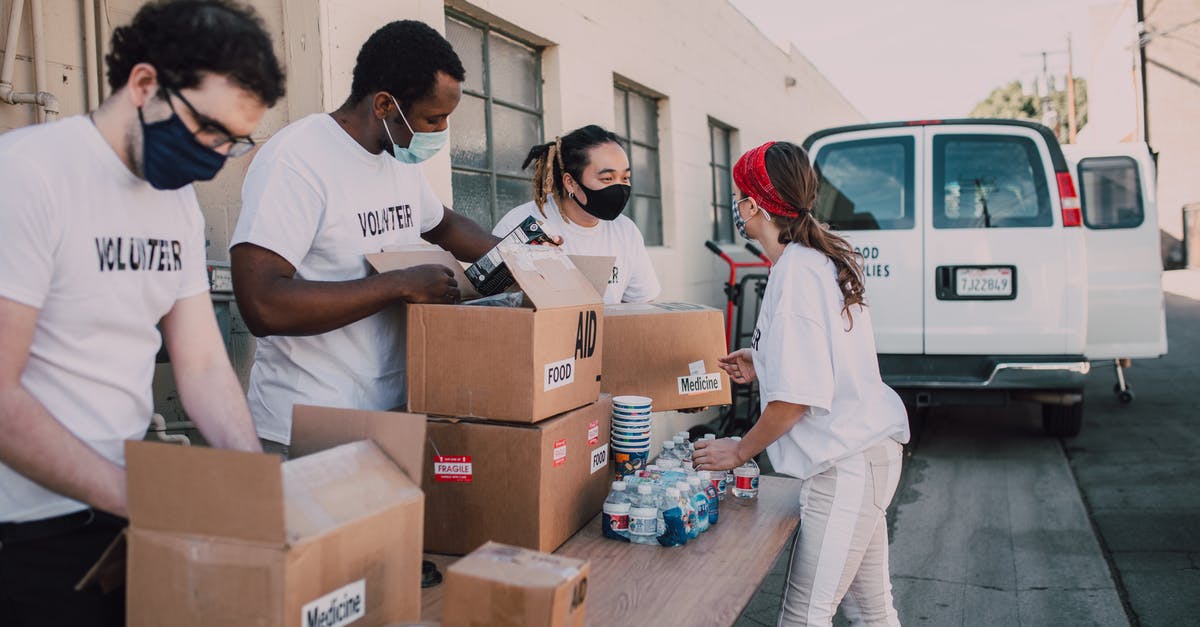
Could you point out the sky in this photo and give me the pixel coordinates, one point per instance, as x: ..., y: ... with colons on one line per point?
x: 917, y: 59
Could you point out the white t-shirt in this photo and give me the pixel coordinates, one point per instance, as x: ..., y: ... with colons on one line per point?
x: 103, y: 257
x: 317, y: 198
x: 633, y: 279
x: 804, y: 355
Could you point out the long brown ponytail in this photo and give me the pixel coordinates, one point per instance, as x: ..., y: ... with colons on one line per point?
x: 795, y: 181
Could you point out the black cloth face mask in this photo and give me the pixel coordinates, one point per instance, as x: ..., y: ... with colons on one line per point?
x: 605, y: 203
x: 171, y: 156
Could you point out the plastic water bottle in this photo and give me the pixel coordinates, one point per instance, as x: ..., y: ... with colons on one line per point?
x: 615, y: 520
x: 668, y: 452
x: 714, y: 496
x: 674, y: 530
x: 644, y: 516
x: 745, y: 479
x: 691, y: 520
x: 684, y: 448
x: 699, y: 501
x: 719, y: 478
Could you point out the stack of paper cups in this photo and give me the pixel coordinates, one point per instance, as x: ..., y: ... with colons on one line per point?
x: 630, y: 433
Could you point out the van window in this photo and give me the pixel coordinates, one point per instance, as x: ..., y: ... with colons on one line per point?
x: 989, y: 181
x: 1110, y: 192
x: 866, y: 185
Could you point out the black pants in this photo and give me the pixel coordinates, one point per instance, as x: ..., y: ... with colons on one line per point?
x: 40, y: 563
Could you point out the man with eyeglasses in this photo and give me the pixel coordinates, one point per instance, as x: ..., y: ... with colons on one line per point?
x: 101, y: 239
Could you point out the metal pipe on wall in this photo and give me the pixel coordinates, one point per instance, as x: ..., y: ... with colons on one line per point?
x: 45, y: 101
x: 92, y: 74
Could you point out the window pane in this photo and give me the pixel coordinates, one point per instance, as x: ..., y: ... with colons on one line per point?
x: 722, y: 200
x: 513, y: 71
x: 1110, y: 193
x: 513, y: 134
x: 643, y: 119
x: 866, y: 185
x: 647, y: 214
x: 720, y: 145
x: 468, y: 133
x: 989, y: 181
x: 468, y: 43
x: 622, y: 122
x: 645, y: 170
x: 473, y: 196
x: 511, y: 193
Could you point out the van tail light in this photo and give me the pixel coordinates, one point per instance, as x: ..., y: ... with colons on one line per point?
x: 1072, y: 215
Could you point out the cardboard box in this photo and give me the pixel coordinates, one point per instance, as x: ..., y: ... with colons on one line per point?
x: 506, y: 364
x: 531, y: 486
x: 224, y: 537
x: 507, y: 586
x: 667, y: 351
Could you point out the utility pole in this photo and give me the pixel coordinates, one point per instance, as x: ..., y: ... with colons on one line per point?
x: 1071, y: 126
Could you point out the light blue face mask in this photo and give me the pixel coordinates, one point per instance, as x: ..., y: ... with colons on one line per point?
x: 421, y: 147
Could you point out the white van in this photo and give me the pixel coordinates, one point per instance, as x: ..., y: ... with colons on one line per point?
x: 976, y: 257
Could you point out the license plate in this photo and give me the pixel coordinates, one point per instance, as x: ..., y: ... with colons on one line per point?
x: 984, y: 282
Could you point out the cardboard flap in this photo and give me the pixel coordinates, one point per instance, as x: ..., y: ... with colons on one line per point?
x: 328, y: 489
x: 404, y: 259
x: 400, y: 435
x: 548, y: 276
x: 513, y: 565
x: 598, y: 270
x: 205, y: 491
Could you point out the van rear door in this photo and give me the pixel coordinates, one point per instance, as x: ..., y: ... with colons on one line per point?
x: 868, y: 194
x: 1126, y: 316
x: 1006, y: 277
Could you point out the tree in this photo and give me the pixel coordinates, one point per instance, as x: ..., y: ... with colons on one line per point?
x: 1013, y: 102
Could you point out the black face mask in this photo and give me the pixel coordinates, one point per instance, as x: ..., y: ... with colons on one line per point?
x: 605, y: 203
x: 171, y: 156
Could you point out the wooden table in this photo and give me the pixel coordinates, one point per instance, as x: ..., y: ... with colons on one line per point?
x: 707, y: 582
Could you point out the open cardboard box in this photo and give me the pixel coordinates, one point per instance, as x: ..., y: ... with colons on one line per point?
x: 508, y: 364
x: 225, y: 537
x: 667, y: 351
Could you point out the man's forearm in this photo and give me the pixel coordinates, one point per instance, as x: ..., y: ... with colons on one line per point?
x: 214, y: 400
x: 292, y: 306
x: 462, y: 236
x: 48, y: 454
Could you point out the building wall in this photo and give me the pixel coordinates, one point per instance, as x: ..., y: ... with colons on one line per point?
x: 1172, y: 82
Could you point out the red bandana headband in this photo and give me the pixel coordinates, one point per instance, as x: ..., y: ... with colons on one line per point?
x: 750, y: 175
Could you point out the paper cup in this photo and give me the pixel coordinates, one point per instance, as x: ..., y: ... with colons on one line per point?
x: 632, y: 402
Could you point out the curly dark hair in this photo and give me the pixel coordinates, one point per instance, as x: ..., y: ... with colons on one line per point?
x: 403, y: 59
x: 183, y: 39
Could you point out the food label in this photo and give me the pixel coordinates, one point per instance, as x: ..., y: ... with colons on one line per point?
x: 599, y: 458
x: 559, y: 374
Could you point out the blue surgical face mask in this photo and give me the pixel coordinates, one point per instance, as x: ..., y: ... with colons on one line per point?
x: 171, y: 156
x: 421, y: 147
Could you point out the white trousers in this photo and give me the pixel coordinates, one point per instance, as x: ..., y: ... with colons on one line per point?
x: 841, y: 550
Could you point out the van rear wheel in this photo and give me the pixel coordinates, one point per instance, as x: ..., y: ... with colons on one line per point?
x: 1062, y: 421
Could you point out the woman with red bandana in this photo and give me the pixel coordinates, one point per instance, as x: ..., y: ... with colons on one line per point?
x: 827, y: 417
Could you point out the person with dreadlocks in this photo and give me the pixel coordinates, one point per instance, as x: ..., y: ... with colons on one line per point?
x: 580, y: 188
x: 827, y: 417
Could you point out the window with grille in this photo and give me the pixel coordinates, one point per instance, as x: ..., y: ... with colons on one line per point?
x: 637, y: 125
x: 497, y: 121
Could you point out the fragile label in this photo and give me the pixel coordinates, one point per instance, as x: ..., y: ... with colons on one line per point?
x: 593, y: 432
x: 599, y: 458
x: 560, y: 452
x: 700, y: 384
x: 559, y: 374
x: 452, y: 468
x: 340, y: 607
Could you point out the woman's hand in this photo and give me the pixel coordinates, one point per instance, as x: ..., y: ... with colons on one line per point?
x: 723, y: 454
x: 739, y: 365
